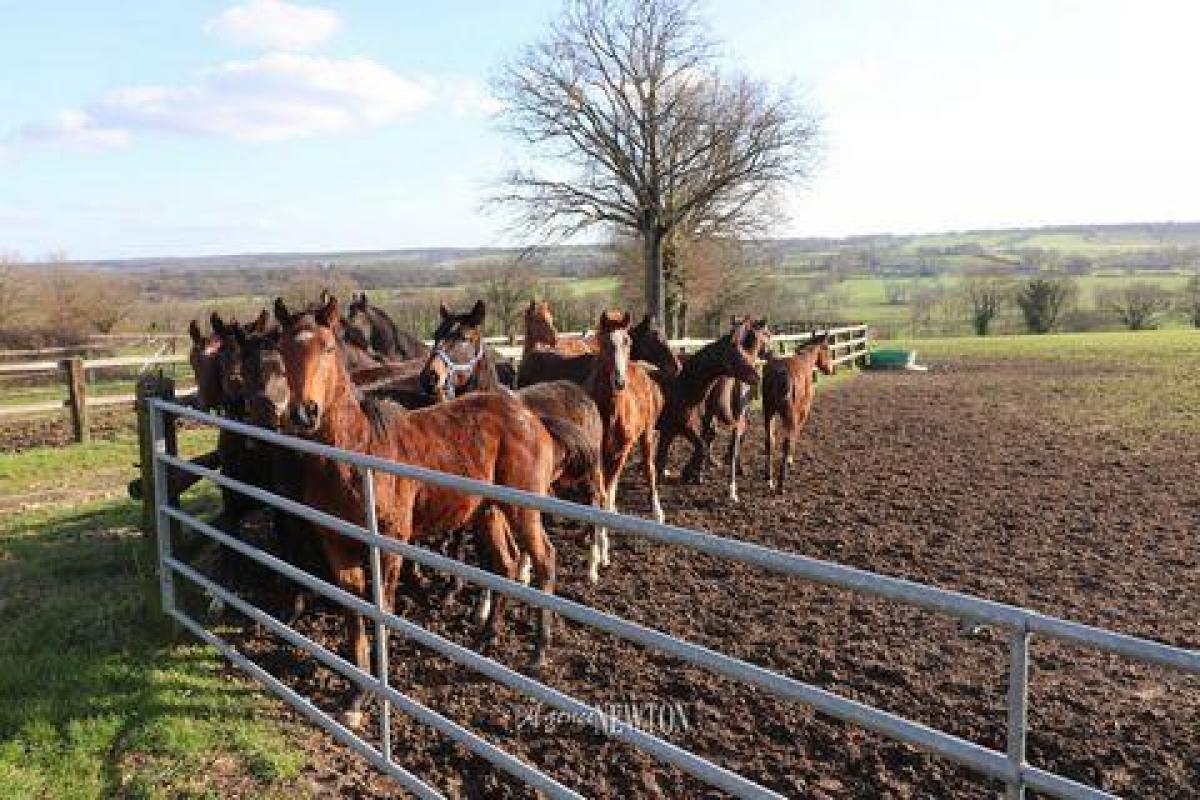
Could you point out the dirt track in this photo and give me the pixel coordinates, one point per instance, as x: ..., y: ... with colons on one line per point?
x: 951, y: 478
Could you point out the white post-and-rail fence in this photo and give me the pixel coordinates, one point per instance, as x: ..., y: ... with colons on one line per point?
x: 1009, y: 766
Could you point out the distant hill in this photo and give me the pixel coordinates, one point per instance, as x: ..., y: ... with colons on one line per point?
x: 1153, y: 245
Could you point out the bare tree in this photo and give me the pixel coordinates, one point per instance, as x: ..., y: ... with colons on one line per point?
x: 105, y: 300
x: 505, y: 285
x: 1137, y: 305
x: 984, y: 296
x: 13, y: 284
x: 637, y: 130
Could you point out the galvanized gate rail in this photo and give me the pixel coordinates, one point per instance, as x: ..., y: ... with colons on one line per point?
x: 1010, y: 766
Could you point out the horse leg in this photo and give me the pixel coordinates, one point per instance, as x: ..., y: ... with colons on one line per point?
x: 666, y: 436
x: 648, y: 441
x: 494, y: 538
x: 535, y: 542
x: 785, y: 457
x: 599, y: 552
x: 458, y: 551
x: 769, y: 444
x: 708, y: 432
x: 346, y: 564
x: 735, y: 456
x: 695, y: 465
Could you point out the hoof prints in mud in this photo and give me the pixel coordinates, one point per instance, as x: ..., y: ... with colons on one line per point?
x: 941, y: 478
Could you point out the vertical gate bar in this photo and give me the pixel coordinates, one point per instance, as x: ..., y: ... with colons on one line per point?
x: 381, y: 630
x: 162, y: 498
x: 1018, y: 706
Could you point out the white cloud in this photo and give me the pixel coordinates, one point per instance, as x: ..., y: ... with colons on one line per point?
x: 468, y: 96
x: 75, y: 129
x: 274, y: 25
x: 276, y: 97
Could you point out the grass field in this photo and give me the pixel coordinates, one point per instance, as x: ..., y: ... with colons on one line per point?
x: 93, y: 701
x: 1135, y: 385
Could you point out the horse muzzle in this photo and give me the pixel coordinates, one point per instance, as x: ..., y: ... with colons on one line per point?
x: 305, y: 417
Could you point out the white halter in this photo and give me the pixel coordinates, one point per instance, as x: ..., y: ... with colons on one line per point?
x: 453, y: 369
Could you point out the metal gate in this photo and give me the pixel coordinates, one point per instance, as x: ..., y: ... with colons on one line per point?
x: 1009, y: 766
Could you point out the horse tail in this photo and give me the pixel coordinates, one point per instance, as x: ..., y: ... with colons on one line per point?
x: 580, y: 456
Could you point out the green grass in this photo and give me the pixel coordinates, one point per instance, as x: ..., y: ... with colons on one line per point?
x: 1136, y: 386
x: 93, y: 701
x: 100, y: 464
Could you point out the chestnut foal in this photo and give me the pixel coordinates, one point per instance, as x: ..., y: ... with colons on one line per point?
x: 789, y: 386
x: 487, y: 436
x: 540, y: 334
x: 630, y: 402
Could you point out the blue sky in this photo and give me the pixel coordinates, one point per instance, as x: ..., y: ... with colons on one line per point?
x: 148, y: 128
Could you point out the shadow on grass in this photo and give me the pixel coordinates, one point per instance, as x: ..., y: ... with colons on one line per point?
x: 94, y: 702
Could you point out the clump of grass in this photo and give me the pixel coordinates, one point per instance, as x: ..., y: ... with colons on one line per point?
x: 93, y: 702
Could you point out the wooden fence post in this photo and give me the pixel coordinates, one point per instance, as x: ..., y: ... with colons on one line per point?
x: 77, y: 398
x: 152, y: 385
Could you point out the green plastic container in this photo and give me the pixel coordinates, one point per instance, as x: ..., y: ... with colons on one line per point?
x: 893, y: 359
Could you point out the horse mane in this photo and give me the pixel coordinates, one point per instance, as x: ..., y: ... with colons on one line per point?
x: 380, y: 411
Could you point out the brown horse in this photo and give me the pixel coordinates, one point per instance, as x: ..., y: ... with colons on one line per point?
x: 734, y: 355
x: 204, y: 357
x: 630, y: 402
x: 789, y: 386
x: 487, y: 436
x: 371, y: 325
x: 540, y: 334
x: 460, y: 361
x: 648, y: 344
x: 727, y: 403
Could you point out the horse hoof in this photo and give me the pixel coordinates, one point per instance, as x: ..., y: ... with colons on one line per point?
x: 351, y: 719
x: 733, y: 496
x: 593, y: 575
x: 771, y: 484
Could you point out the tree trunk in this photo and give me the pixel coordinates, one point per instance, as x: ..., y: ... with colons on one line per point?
x: 655, y: 294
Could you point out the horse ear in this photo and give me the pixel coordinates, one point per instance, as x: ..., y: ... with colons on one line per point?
x: 239, y: 333
x: 281, y: 312
x: 478, y: 311
x: 194, y: 330
x: 259, y: 325
x: 328, y: 313
x: 218, y: 324
x: 445, y: 312
x: 761, y: 324
x: 625, y: 320
x: 532, y: 306
x: 362, y: 299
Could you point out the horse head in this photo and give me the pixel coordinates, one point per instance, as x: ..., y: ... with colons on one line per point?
x: 650, y: 345
x: 204, y: 357
x: 457, y: 352
x: 358, y: 325
x: 748, y: 341
x: 312, y: 361
x: 615, y: 347
x: 823, y: 360
x: 539, y: 325
x: 266, y: 390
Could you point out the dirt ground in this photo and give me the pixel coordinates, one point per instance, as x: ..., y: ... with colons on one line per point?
x: 954, y: 478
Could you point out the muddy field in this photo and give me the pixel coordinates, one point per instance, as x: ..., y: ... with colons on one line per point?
x: 954, y: 478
